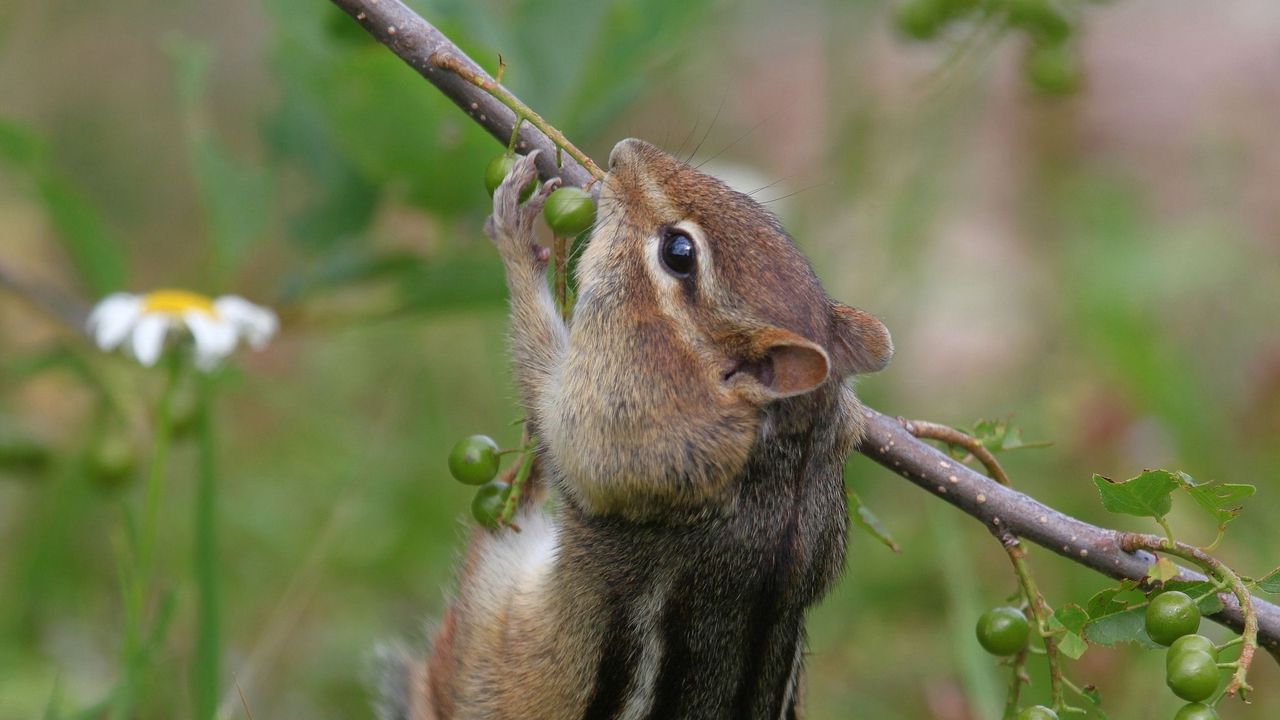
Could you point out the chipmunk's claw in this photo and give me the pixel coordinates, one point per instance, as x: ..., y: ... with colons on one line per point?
x: 511, y: 226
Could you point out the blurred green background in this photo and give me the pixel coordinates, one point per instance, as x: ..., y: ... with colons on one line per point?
x: 1104, y: 266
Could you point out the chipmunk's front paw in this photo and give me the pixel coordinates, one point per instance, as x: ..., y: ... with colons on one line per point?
x: 511, y: 226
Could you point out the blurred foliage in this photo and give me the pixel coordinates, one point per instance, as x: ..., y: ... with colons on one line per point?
x: 1102, y: 269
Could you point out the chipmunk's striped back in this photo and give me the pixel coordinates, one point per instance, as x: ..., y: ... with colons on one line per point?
x: 697, y: 447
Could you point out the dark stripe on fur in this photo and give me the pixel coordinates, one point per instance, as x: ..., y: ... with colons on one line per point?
x: 765, y: 620
x: 618, y: 653
x: 677, y: 657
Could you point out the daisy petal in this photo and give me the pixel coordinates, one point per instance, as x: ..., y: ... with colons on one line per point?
x: 148, y: 338
x: 258, y: 324
x: 113, y: 318
x: 215, y: 339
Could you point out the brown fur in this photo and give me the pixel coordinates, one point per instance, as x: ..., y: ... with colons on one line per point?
x: 696, y: 429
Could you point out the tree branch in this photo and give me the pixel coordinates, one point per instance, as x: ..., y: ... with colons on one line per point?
x: 415, y: 41
x: 1002, y: 509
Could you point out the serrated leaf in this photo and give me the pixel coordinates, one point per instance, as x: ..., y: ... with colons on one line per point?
x: 1072, y: 617
x: 869, y: 522
x: 1114, y: 599
x: 1162, y: 570
x: 1127, y: 625
x: 1270, y: 583
x: 1221, y: 500
x: 1147, y: 495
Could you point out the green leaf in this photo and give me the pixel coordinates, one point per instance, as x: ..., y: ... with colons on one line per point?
x: 1104, y: 603
x: 236, y: 194
x: 999, y: 436
x: 1114, y: 599
x: 1126, y: 625
x: 1072, y: 645
x: 1270, y: 583
x: 1070, y: 619
x: 869, y: 522
x: 1209, y: 604
x: 1147, y: 495
x: 1221, y: 500
x: 97, y: 254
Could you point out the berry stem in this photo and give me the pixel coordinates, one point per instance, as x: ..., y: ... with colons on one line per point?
x: 1040, y: 609
x: 517, y: 484
x: 1017, y: 678
x: 448, y: 61
x: 1231, y: 643
x: 1220, y: 573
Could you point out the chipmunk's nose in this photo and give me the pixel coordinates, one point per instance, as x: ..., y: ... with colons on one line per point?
x: 624, y: 151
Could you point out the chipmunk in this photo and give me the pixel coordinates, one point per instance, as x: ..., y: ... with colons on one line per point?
x: 694, y: 419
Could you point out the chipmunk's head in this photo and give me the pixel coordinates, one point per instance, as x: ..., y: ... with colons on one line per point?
x: 709, y: 313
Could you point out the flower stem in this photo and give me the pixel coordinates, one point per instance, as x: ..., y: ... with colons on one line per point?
x: 156, y: 474
x: 204, y: 672
x: 138, y: 578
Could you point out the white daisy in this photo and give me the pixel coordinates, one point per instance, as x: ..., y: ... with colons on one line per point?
x: 216, y: 326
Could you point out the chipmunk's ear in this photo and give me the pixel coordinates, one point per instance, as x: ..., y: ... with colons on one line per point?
x: 860, y: 342
x: 779, y: 364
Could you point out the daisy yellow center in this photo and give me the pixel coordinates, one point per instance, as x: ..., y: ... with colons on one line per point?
x: 177, y: 302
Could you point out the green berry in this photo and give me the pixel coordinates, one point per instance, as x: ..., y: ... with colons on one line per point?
x: 1053, y: 68
x: 1003, y: 630
x: 497, y: 171
x: 920, y: 19
x: 1170, y: 615
x: 1044, y: 19
x: 1192, y: 676
x: 474, y: 460
x: 1037, y: 712
x: 569, y: 211
x: 1196, y: 711
x: 1188, y: 643
x: 486, y: 506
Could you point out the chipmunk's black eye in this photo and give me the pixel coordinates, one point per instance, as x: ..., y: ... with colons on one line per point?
x: 678, y: 253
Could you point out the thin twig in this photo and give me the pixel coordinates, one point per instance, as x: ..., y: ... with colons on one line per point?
x: 926, y: 430
x: 447, y: 60
x: 415, y: 41
x: 1219, y: 571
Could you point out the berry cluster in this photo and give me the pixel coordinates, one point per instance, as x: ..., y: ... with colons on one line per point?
x: 1051, y: 64
x: 568, y: 211
x: 1191, y: 665
x: 474, y: 461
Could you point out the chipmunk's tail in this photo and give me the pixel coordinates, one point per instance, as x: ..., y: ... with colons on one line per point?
x: 400, y: 679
